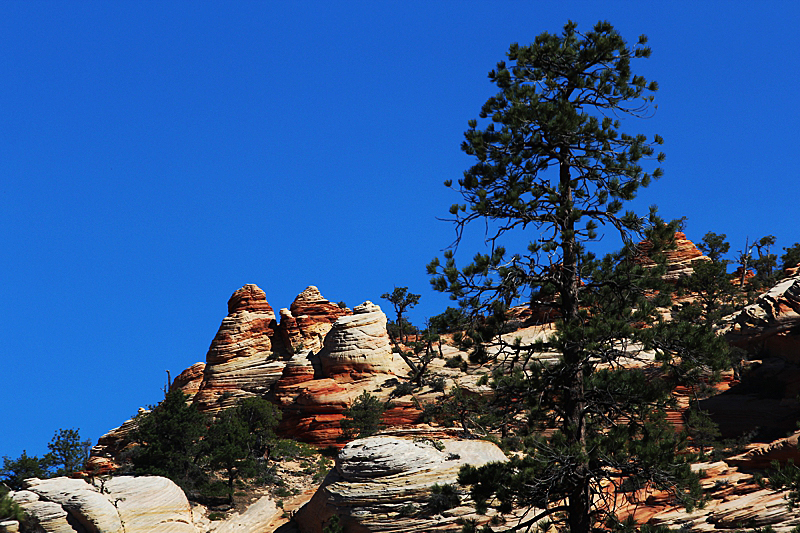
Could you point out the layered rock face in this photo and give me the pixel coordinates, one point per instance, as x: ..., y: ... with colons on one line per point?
x: 110, y: 445
x: 190, y: 380
x: 383, y: 484
x: 768, y: 325
x: 733, y: 498
x: 679, y: 259
x: 304, y: 325
x: 121, y: 505
x: 315, y: 390
x: 358, y: 346
x: 240, y: 361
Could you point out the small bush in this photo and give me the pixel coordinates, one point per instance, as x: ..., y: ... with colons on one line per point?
x: 437, y: 384
x: 403, y: 389
x: 454, y: 362
x: 443, y: 497
x: 216, y: 515
x: 333, y: 525
x: 10, y: 510
x: 363, y: 418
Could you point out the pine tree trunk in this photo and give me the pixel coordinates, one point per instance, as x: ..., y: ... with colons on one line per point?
x: 579, y: 500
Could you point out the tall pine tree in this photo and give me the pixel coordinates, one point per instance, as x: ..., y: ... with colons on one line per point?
x: 552, y: 163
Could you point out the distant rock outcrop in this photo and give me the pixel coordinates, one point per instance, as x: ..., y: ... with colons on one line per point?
x: 111, y: 445
x: 383, y: 484
x: 240, y: 361
x: 679, y: 259
x: 304, y: 325
x: 189, y: 380
x: 315, y: 389
x: 770, y: 325
x: 358, y: 346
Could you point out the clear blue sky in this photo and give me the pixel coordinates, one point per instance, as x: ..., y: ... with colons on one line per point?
x: 156, y: 156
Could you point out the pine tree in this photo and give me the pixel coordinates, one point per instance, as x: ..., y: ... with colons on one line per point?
x: 553, y: 161
x: 169, y: 441
x: 401, y: 299
x: 68, y: 453
x: 791, y: 258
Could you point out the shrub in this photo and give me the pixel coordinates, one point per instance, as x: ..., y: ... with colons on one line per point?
x: 363, y: 418
x: 443, y: 497
x: 454, y: 362
x: 403, y: 389
x: 10, y: 510
x: 437, y: 384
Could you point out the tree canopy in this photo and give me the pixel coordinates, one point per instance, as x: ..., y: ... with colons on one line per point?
x: 553, y: 163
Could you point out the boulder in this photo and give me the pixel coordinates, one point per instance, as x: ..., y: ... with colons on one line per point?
x: 150, y: 503
x: 119, y: 505
x: 82, y: 501
x: 383, y: 484
x: 255, y: 519
x: 48, y: 517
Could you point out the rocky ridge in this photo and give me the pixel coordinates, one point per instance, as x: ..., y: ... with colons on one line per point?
x: 383, y: 485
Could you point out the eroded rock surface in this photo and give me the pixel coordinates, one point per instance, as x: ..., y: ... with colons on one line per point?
x: 315, y: 389
x: 240, y: 362
x: 189, y: 380
x: 679, y: 260
x: 770, y: 324
x: 120, y: 505
x: 383, y: 484
x: 304, y: 325
x: 358, y: 346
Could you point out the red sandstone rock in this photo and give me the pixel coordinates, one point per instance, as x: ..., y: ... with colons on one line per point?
x: 315, y: 389
x: 304, y: 325
x: 189, y: 380
x: 240, y: 362
x: 679, y: 259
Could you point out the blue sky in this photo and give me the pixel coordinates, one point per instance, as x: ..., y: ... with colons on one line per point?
x: 156, y: 156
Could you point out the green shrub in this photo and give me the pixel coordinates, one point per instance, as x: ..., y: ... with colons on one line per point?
x: 437, y: 384
x: 454, y: 362
x: 9, y: 509
x: 403, y: 388
x: 443, y: 497
x: 364, y: 417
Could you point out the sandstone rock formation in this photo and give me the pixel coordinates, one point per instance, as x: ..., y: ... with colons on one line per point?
x: 120, y: 505
x: 315, y: 389
x: 769, y: 325
x: 358, y: 346
x: 679, y: 259
x: 304, y: 325
x: 383, y: 484
x: 255, y: 519
x: 110, y: 445
x: 189, y: 380
x: 734, y: 501
x: 240, y: 362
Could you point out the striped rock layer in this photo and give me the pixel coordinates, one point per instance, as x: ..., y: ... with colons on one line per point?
x: 120, y: 505
x: 240, y: 361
